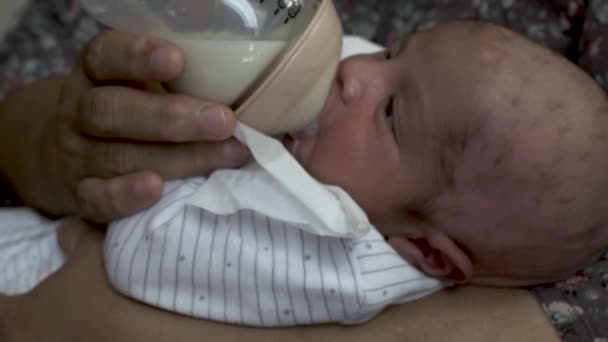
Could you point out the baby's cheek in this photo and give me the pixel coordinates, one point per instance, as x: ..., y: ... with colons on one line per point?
x: 345, y: 164
x: 331, y: 171
x: 323, y: 169
x: 319, y: 157
x: 359, y: 187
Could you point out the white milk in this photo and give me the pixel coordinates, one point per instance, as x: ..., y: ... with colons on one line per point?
x: 221, y: 70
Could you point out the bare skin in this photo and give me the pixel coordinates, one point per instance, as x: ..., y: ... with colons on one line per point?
x: 77, y: 304
x: 100, y: 142
x: 458, y: 144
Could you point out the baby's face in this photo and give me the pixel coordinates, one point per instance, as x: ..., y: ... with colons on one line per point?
x: 463, y: 133
x: 387, y: 117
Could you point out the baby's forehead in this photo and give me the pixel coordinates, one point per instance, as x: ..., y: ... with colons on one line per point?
x: 475, y: 73
x: 473, y: 32
x: 522, y: 103
x: 471, y: 42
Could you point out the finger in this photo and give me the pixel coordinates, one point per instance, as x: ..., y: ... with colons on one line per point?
x: 70, y: 234
x: 121, y: 112
x: 105, y: 200
x: 115, y: 55
x: 109, y: 159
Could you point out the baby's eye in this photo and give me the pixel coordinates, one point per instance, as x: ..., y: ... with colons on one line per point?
x: 389, y: 108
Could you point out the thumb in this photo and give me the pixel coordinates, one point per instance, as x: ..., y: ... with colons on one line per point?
x: 70, y: 233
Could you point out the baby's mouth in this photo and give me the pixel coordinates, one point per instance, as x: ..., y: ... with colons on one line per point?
x: 308, y: 131
x: 291, y: 140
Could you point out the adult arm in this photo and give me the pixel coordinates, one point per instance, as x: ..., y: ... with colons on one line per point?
x: 77, y: 304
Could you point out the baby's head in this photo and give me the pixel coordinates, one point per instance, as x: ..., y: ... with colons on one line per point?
x: 481, y: 156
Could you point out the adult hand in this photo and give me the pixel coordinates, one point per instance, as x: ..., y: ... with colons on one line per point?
x: 100, y: 142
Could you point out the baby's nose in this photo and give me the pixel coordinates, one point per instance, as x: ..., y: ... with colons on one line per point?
x: 352, y: 77
x: 351, y: 90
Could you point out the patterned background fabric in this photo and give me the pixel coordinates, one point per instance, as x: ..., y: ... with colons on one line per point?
x: 51, y: 33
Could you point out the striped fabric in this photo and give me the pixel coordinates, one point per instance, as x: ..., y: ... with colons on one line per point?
x: 248, y: 269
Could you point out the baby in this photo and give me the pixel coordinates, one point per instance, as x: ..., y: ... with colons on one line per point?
x: 478, y: 156
x: 460, y: 145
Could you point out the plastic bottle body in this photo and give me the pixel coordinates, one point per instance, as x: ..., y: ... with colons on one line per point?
x: 230, y: 47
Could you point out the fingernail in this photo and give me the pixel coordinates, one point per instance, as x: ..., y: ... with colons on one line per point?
x: 213, y: 120
x: 456, y: 275
x: 160, y: 59
x: 142, y: 189
x: 237, y: 152
x: 438, y: 258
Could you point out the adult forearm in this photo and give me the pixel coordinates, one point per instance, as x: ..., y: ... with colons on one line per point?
x: 6, y: 310
x: 467, y: 314
x: 77, y: 304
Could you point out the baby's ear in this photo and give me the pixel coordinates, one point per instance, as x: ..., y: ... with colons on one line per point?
x: 436, y: 255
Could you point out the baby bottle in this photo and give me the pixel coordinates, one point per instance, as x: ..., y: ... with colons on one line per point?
x: 273, y: 61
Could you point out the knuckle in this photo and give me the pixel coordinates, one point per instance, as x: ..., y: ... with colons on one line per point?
x: 96, y: 109
x: 119, y: 158
x: 69, y: 150
x: 85, y: 203
x: 137, y: 51
x: 205, y: 160
x: 66, y: 143
x: 172, y: 120
x: 113, y: 199
x: 93, y: 54
x: 138, y: 47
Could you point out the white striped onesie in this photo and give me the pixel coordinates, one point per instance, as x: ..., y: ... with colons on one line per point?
x: 247, y: 269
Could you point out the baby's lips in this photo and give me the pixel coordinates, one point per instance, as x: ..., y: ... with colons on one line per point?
x: 306, y: 132
x: 288, y: 141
